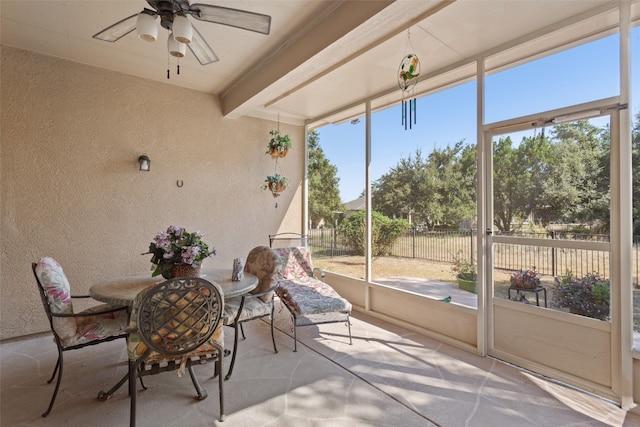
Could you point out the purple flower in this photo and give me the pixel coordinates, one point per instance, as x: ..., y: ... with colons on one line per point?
x: 163, y: 241
x: 189, y: 254
x: 175, y: 231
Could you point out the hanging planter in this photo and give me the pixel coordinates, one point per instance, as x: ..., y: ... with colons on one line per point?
x: 278, y: 144
x: 277, y: 187
x: 276, y: 184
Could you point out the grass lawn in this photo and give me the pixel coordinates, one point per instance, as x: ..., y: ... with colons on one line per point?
x: 385, y: 267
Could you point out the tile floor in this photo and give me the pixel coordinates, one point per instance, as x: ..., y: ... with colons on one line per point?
x: 388, y: 377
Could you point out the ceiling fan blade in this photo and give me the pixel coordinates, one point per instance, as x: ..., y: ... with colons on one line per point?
x: 117, y: 30
x: 233, y: 17
x: 201, y: 49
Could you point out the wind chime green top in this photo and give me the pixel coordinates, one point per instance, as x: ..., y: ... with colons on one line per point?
x: 408, y: 74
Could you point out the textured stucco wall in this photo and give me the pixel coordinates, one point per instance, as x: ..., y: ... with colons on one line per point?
x: 70, y: 137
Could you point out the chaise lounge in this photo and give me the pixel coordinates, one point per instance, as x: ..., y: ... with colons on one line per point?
x: 310, y: 300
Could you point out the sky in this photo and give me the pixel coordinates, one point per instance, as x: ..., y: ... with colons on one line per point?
x: 585, y: 73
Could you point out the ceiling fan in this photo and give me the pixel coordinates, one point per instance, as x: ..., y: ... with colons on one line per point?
x: 173, y: 17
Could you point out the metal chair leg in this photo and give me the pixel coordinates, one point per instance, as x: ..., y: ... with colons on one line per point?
x: 102, y: 395
x: 219, y: 364
x: 295, y: 335
x: 235, y: 350
x: 57, y: 369
x: 132, y: 393
x: 202, y: 393
x: 273, y: 337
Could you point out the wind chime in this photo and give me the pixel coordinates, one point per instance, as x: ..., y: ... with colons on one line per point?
x: 408, y: 74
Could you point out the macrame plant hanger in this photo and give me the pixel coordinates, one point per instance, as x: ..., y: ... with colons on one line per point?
x: 408, y: 74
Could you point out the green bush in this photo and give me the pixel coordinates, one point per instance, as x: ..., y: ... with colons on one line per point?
x: 384, y: 232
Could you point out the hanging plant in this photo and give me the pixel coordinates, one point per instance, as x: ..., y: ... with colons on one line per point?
x: 276, y: 184
x: 278, y: 144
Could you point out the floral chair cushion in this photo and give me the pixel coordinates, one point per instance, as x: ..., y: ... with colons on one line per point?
x: 252, y: 308
x: 265, y: 263
x: 308, y: 295
x: 296, y: 262
x: 97, y: 327
x: 136, y: 347
x: 76, y: 330
x: 56, y: 286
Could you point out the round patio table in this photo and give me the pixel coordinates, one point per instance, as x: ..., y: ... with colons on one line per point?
x: 122, y: 290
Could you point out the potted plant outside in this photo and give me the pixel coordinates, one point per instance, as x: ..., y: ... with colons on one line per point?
x: 588, y: 296
x: 275, y: 183
x: 465, y: 273
x: 278, y: 144
x: 525, y: 279
x: 176, y: 252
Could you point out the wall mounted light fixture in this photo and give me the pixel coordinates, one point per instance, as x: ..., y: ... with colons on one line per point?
x: 145, y: 163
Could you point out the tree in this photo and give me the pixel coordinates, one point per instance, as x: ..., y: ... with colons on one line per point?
x: 564, y: 177
x: 561, y: 177
x: 437, y: 190
x: 505, y: 184
x: 324, y: 194
x: 518, y: 179
x: 576, y: 182
x: 455, y: 171
x: 407, y: 190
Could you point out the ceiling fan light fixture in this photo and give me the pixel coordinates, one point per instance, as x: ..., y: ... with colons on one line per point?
x: 182, y: 30
x: 146, y: 27
x: 176, y: 49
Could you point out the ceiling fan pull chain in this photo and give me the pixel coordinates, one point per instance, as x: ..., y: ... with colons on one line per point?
x: 168, y: 78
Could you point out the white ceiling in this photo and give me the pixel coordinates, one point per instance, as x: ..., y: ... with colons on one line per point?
x: 323, y: 58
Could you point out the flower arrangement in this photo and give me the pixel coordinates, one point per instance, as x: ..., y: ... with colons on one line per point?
x: 588, y: 296
x: 278, y: 144
x: 463, y: 268
x: 176, y: 246
x: 525, y: 279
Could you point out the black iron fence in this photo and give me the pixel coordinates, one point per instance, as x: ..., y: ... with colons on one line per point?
x: 326, y: 242
x: 446, y: 245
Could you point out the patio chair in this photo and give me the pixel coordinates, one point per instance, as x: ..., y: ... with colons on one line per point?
x: 265, y: 263
x: 310, y: 300
x: 175, y: 325
x: 71, y: 330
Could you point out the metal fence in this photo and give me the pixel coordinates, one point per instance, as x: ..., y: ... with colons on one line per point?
x: 325, y: 242
x: 444, y: 246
